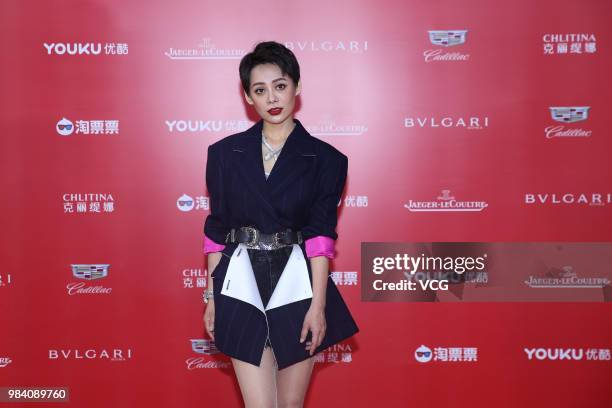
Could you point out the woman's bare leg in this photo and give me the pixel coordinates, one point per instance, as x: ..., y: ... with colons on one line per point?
x: 257, y: 384
x: 292, y: 383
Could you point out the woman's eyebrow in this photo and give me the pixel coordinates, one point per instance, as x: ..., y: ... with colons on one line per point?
x: 263, y: 83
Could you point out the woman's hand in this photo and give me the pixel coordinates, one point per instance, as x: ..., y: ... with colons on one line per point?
x: 315, y: 322
x: 209, y: 318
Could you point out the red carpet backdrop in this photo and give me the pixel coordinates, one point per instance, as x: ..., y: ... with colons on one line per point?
x: 494, y: 111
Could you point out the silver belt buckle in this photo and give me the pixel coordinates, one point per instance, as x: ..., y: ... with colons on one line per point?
x: 255, y: 234
x: 277, y: 243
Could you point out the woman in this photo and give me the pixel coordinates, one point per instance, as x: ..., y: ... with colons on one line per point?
x: 274, y: 191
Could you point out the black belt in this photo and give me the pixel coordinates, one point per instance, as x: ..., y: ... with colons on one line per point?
x: 253, y: 236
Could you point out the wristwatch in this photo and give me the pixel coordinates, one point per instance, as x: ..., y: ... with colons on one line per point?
x: 207, y: 294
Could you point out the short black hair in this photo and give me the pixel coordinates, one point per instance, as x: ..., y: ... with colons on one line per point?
x: 269, y: 52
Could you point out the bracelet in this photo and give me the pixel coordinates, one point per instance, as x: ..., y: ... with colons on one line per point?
x: 207, y: 294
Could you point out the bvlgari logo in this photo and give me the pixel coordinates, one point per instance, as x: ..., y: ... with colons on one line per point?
x: 448, y: 122
x: 589, y: 199
x: 445, y: 202
x: 446, y: 38
x: 564, y: 278
x: 88, y: 272
x: 330, y: 46
x: 567, y: 114
x: 205, y: 347
x: 114, y: 354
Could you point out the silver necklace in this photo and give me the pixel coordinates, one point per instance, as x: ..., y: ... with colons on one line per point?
x: 272, y: 153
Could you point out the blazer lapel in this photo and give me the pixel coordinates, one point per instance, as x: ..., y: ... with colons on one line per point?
x: 294, y: 159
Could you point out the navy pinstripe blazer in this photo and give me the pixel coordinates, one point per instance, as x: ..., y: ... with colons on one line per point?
x: 302, y: 191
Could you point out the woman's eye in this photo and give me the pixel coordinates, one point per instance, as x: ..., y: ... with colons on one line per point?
x: 283, y: 86
x: 257, y: 90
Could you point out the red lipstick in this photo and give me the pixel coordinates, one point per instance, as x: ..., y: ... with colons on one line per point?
x: 275, y: 111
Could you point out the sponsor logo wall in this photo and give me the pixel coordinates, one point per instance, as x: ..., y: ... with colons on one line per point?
x: 466, y: 121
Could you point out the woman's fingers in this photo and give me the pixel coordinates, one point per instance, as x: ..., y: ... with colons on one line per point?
x: 304, y: 332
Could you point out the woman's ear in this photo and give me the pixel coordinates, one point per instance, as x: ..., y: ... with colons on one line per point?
x: 298, y: 88
x: 248, y: 98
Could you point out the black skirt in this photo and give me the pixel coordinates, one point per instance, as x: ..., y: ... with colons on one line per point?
x: 243, y: 328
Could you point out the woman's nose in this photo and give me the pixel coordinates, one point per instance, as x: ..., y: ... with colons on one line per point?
x: 272, y: 97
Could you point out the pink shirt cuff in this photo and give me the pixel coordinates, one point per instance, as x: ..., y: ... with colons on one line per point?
x: 320, y: 245
x: 211, y: 246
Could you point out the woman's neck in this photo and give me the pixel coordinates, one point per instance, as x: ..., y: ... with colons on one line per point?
x: 277, y: 133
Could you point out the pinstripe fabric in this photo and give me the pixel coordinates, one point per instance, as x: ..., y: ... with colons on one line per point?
x: 302, y: 193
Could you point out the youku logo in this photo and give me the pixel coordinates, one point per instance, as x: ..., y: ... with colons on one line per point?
x: 210, y: 126
x: 575, y: 354
x: 446, y: 38
x: 446, y: 202
x: 567, y: 114
x: 86, y: 48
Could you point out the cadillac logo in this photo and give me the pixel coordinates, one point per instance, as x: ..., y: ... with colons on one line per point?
x: 90, y: 271
x: 203, y: 346
x: 569, y: 114
x: 447, y: 38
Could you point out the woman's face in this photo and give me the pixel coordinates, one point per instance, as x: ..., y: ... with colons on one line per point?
x: 271, y: 89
